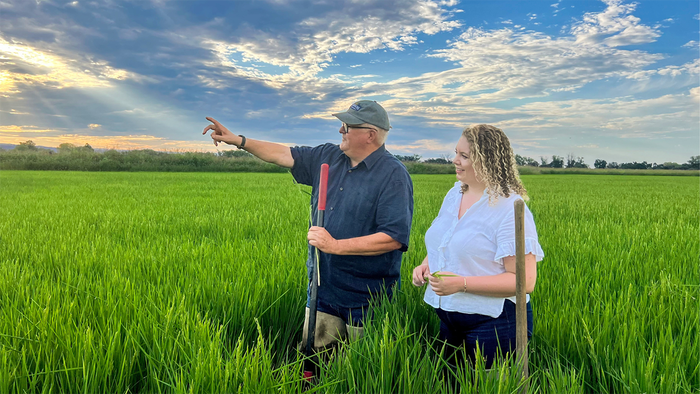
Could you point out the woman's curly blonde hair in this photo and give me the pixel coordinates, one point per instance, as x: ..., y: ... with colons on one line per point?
x: 493, y: 162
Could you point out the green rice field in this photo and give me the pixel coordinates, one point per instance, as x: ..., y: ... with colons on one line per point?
x: 195, y: 282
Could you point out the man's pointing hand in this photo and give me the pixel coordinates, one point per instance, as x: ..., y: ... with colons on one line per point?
x: 220, y: 133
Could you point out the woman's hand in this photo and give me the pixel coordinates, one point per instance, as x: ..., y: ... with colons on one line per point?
x: 419, y: 274
x: 445, y: 283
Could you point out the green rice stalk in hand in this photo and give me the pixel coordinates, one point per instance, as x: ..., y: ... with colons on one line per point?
x: 438, y: 275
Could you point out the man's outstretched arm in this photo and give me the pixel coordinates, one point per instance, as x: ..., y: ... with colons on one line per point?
x: 267, y: 151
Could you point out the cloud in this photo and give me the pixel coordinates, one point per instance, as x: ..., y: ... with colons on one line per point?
x: 22, y: 64
x: 502, y: 65
x: 13, y: 111
x: 526, y: 64
x: 614, y: 27
x: 16, y: 129
x: 14, y: 134
x: 625, y: 117
x: 691, y: 44
x: 690, y: 68
x: 94, y: 126
x: 435, y: 146
x: 346, y: 28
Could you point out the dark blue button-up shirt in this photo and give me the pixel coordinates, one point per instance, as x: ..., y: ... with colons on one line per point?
x: 374, y: 196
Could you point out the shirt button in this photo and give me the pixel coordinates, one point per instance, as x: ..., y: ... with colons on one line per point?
x: 341, y: 189
x: 331, y: 208
x: 349, y: 170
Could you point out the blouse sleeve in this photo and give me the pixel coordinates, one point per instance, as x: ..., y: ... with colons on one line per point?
x: 505, y: 237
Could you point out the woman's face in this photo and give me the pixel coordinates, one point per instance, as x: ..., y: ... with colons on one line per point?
x: 463, y: 162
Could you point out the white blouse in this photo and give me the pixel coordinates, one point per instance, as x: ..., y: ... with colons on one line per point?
x: 475, y: 245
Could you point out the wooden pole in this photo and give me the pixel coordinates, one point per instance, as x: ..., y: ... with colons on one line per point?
x: 520, y: 297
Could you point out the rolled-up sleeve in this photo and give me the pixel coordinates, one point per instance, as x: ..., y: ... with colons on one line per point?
x: 306, y: 159
x: 395, y: 210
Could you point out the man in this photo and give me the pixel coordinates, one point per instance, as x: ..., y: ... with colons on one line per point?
x: 369, y: 208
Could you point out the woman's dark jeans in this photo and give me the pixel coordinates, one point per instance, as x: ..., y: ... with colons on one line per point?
x: 491, y: 334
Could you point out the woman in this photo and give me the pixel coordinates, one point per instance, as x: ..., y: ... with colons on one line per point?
x: 472, y: 244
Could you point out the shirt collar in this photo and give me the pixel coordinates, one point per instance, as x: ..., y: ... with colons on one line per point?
x: 374, y: 157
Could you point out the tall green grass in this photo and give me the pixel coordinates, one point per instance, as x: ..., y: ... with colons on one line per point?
x: 194, y: 282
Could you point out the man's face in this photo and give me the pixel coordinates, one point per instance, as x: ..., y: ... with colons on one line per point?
x: 355, y: 137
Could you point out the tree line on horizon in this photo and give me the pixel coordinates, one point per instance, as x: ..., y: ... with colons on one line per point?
x: 84, y: 158
x: 572, y: 161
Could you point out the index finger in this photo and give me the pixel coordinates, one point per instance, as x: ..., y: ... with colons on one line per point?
x: 216, y: 122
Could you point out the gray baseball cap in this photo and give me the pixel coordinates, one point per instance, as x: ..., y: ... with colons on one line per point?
x: 365, y: 111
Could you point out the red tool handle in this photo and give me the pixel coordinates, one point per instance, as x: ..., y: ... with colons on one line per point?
x: 323, y: 187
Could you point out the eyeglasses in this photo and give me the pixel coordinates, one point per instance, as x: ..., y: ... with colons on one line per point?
x: 347, y: 127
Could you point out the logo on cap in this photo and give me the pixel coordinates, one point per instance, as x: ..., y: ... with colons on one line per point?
x: 355, y: 107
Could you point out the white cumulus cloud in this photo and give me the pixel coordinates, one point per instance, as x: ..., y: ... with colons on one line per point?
x: 346, y: 29
x: 615, y: 26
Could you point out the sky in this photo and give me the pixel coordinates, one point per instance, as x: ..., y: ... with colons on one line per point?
x: 613, y: 80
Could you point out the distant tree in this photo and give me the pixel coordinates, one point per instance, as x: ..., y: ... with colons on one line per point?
x: 570, y: 160
x: 26, y: 146
x: 525, y: 161
x: 613, y: 164
x: 579, y: 163
x: 669, y: 165
x: 66, y: 147
x: 557, y: 162
x: 694, y: 162
x: 235, y: 153
x: 543, y: 162
x: 635, y: 166
x: 664, y: 166
x: 412, y: 158
x: 145, y: 152
x: 437, y: 160
x: 87, y: 148
x: 600, y: 163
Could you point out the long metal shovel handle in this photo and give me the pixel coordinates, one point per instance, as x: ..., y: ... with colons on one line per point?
x: 315, y: 277
x: 520, y: 297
